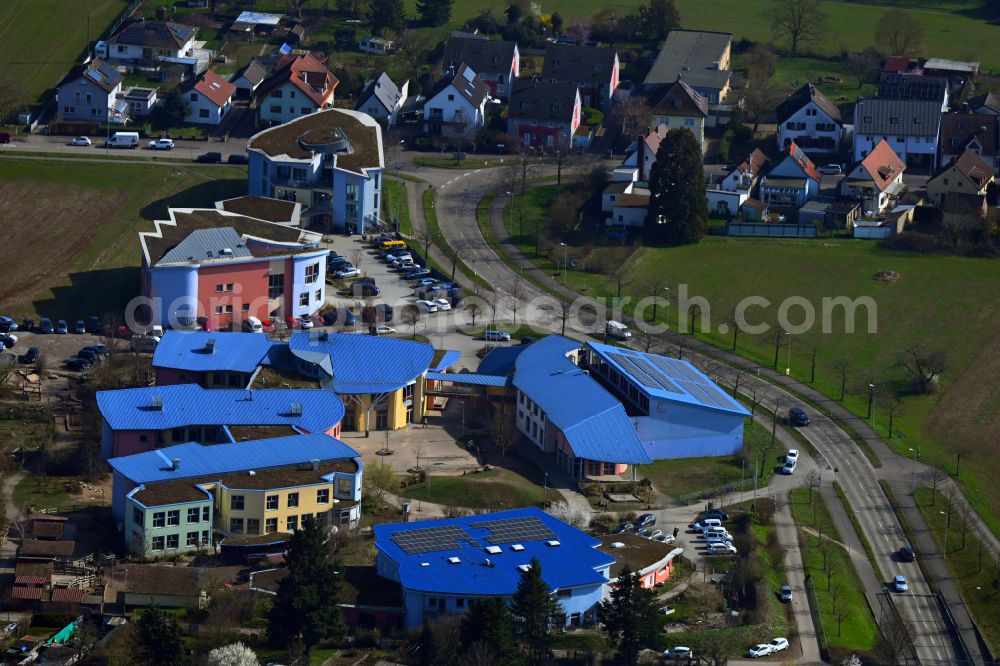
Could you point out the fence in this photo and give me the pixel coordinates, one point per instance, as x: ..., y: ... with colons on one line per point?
x: 817, y: 618
x: 772, y: 230
x: 746, y: 485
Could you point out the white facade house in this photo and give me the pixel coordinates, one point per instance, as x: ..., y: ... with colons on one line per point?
x: 809, y: 120
x: 456, y: 105
x: 910, y: 127
x: 382, y: 98
x: 148, y: 41
x: 876, y: 181
x: 210, y: 99
x: 89, y: 92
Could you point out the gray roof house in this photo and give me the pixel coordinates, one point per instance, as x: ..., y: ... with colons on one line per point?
x: 252, y: 76
x: 911, y: 128
x: 497, y: 62
x: 700, y: 57
x: 593, y: 69
x: 147, y: 41
x: 89, y: 92
x: 382, y: 98
x: 543, y: 113
x: 456, y: 105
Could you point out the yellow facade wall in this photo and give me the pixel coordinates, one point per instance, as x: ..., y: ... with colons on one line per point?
x: 255, y: 505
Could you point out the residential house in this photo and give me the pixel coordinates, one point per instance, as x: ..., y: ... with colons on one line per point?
x: 969, y: 131
x: 701, y: 58
x: 543, y: 113
x: 876, y: 181
x: 594, y: 70
x: 89, y: 92
x: 382, y: 98
x: 810, y: 120
x: 727, y: 196
x: 959, y: 73
x: 681, y: 106
x: 375, y: 397
x: 986, y: 103
x: 643, y: 157
x: 147, y: 42
x: 143, y: 419
x: 963, y: 185
x: 252, y: 76
x: 192, y: 262
x: 299, y: 85
x: 141, y: 101
x: 626, y: 204
x: 911, y: 127
x: 914, y: 87
x: 376, y: 45
x: 456, y: 104
x: 792, y: 180
x: 210, y: 99
x: 496, y: 62
x: 173, y: 500
x: 444, y: 565
x: 330, y: 162
x: 162, y: 586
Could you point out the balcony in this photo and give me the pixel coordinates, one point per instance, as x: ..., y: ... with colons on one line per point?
x: 298, y: 183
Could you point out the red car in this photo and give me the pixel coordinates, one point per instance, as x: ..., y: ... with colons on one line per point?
x: 291, y: 322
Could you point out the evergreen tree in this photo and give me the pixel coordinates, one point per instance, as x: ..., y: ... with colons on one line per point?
x: 630, y: 617
x: 536, y: 613
x: 159, y: 639
x: 387, y: 15
x: 678, y: 212
x: 659, y: 18
x: 557, y: 23
x: 305, y: 608
x: 434, y: 12
x: 176, y: 108
x: 489, y: 622
x: 428, y: 648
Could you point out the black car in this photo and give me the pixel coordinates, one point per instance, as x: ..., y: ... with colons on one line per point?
x: 645, y: 520
x: 29, y: 356
x: 89, y: 355
x: 99, y: 349
x: 330, y: 317
x: 28, y: 325
x: 238, y: 158
x: 717, y: 513
x: 907, y: 554
x: 7, y: 340
x: 798, y: 417
x: 209, y: 158
x: 45, y: 325
x: 94, y: 325
x: 78, y: 363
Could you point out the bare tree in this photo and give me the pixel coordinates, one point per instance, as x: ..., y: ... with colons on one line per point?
x: 297, y: 6
x: 418, y: 449
x: 473, y: 311
x: 811, y: 482
x: 632, y: 115
x: 937, y: 477
x: 963, y: 521
x: 760, y: 61
x: 924, y: 367
x: 425, y: 238
x: 893, y: 407
x: 411, y: 317
x: 703, y: 599
x: 864, y: 66
x: 714, y: 646
x: 901, y: 33
x: 801, y: 22
x: 357, y: 256
x: 840, y: 614
x: 12, y: 97
x: 836, y: 592
x: 379, y: 481
x: 897, y: 640
x: 564, y: 311
x: 503, y: 430
x: 813, y: 353
x: 826, y: 553
x: 843, y: 366
x: 515, y: 297
x: 759, y: 98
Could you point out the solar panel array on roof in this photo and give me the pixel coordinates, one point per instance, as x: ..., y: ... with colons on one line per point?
x: 644, y: 373
x: 516, y: 529
x: 430, y: 539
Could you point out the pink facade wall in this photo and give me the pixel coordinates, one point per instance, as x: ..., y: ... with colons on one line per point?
x: 128, y: 442
x: 171, y: 376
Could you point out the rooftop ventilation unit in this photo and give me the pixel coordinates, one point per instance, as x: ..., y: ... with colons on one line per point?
x: 524, y: 567
x: 425, y: 564
x: 226, y: 252
x: 156, y: 402
x: 488, y: 563
x: 175, y: 464
x: 314, y: 464
x: 453, y: 560
x: 210, y: 346
x: 552, y: 543
x: 295, y: 409
x: 252, y: 473
x: 517, y: 547
x: 494, y: 550
x: 617, y: 544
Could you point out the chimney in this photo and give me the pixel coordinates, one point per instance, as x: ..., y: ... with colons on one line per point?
x: 314, y: 464
x: 175, y: 464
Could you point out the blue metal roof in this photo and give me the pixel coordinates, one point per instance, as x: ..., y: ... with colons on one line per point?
x: 594, y: 422
x: 189, y: 350
x: 668, y: 378
x: 469, y: 378
x: 365, y: 364
x: 190, y: 405
x: 500, y: 360
x: 574, y: 562
x: 448, y: 359
x: 201, y: 459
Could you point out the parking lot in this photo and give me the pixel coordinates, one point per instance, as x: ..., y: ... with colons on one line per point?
x: 55, y: 349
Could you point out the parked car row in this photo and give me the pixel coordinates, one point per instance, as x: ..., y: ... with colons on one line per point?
x: 91, y: 325
x: 771, y: 647
x: 87, y: 357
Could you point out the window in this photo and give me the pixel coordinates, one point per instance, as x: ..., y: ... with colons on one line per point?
x: 122, y: 48
x: 93, y: 111
x: 564, y: 593
x: 174, y: 517
x: 276, y: 94
x: 205, y: 514
x: 223, y: 309
x: 224, y: 287
x: 304, y: 298
x: 945, y: 181
x: 193, y: 515
x: 158, y: 543
x: 159, y: 519
x: 460, y: 603
x: 270, y: 525
x: 138, y: 517
x: 306, y: 111
x: 173, y: 540
x: 451, y: 98
x: 275, y: 285
x: 271, y: 503
x: 275, y: 109
x: 293, y: 500
x: 69, y: 109
x: 204, y: 537
x: 321, y: 519
x: 312, y: 273
x: 291, y: 93
x: 236, y: 525
x: 253, y: 525
x: 203, y: 113
x: 319, y: 294
x: 192, y: 539
x: 194, y: 97
x: 246, y: 307
x: 344, y: 486
x: 689, y: 122
x: 236, y: 503
x: 322, y: 495
x: 292, y: 523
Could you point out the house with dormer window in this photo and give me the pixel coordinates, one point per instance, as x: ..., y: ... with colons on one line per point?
x: 876, y: 181
x: 456, y: 105
x: 298, y: 86
x: 89, y: 92
x: 962, y: 186
x: 593, y: 69
x: 210, y: 99
x: 792, y: 181
x: 496, y: 62
x: 810, y: 120
x: 543, y: 113
x: 681, y: 106
x: 910, y: 127
x: 969, y: 131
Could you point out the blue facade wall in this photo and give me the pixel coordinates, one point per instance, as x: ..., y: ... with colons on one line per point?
x: 690, y: 432
x: 174, y: 290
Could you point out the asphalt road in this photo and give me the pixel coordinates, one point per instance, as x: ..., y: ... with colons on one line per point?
x: 183, y: 149
x: 457, y: 196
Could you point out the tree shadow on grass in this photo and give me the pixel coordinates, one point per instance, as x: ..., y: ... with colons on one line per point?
x: 202, y: 195
x: 91, y: 293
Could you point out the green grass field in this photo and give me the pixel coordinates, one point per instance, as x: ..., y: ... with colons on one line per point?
x: 40, y: 40
x: 84, y: 259
x: 858, y: 630
x: 395, y: 203
x: 482, y: 490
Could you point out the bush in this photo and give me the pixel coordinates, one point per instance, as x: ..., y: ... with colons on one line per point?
x: 912, y: 241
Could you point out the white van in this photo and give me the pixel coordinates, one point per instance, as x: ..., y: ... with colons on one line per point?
x: 253, y: 325
x: 124, y: 140
x: 618, y: 330
x: 706, y: 524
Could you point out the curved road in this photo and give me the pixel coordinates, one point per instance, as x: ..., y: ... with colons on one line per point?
x: 458, y: 193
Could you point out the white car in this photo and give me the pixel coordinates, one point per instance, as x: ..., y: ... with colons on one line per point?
x: 831, y: 169
x: 443, y: 303
x: 384, y: 330
x: 9, y: 338
x: 792, y: 456
x: 899, y: 584
x: 400, y: 260
x: 305, y: 321
x: 679, y: 652
x: 760, y: 650
x: 721, y: 549
x: 80, y: 141
x: 778, y: 644
x: 347, y: 273
x: 427, y: 306
x: 161, y: 144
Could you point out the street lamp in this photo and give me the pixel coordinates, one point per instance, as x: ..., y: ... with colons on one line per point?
x: 788, y: 362
x: 565, y: 249
x: 511, y: 193
x: 947, y: 526
x: 871, y: 399
x: 913, y: 487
